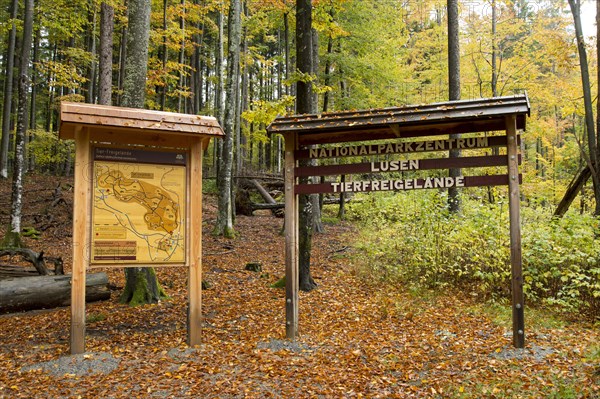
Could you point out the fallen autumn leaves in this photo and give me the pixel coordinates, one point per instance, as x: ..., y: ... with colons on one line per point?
x: 356, y: 340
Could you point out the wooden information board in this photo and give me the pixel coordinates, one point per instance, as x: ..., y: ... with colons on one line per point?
x: 391, y: 146
x: 139, y: 206
x: 137, y: 196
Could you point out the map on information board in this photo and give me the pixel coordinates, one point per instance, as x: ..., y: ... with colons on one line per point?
x: 138, y: 208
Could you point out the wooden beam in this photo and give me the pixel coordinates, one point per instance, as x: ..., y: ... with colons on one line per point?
x: 423, y: 164
x: 291, y: 240
x: 403, y: 147
x: 194, y: 252
x: 415, y: 184
x: 81, y: 232
x: 518, y: 315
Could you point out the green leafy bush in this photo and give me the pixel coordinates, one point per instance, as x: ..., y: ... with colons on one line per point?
x: 410, y: 237
x: 50, y: 153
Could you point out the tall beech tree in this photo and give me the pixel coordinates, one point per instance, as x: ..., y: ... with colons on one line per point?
x: 8, y: 91
x: 12, y: 238
x: 141, y: 285
x: 453, y: 91
x: 305, y: 104
x: 107, y: 16
x: 224, y: 224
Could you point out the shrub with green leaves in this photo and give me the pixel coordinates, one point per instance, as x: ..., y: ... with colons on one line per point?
x: 410, y: 237
x: 50, y: 153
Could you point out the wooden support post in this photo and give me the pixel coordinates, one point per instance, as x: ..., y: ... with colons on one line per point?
x: 195, y: 244
x: 518, y: 315
x: 81, y: 233
x: 291, y: 240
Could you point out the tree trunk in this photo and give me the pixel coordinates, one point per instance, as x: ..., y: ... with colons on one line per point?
x: 327, y: 82
x: 141, y: 287
x: 304, y: 104
x: 90, y: 95
x: 587, y: 101
x: 244, y: 101
x: 107, y: 15
x: 597, y: 81
x: 32, y: 124
x: 136, y: 62
x: 141, y: 283
x: 122, y: 58
x: 8, y: 92
x: 219, y: 90
x: 22, y: 123
x: 572, y: 190
x: 494, y: 82
x: 225, y: 214
x: 454, y: 91
x: 180, y: 99
x: 164, y: 57
x: 46, y: 292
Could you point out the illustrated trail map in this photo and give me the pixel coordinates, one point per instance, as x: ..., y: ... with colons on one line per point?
x: 138, y: 208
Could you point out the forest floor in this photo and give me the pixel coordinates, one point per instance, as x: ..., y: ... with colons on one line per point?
x: 357, y: 339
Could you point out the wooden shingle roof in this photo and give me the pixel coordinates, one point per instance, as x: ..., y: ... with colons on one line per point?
x: 465, y: 116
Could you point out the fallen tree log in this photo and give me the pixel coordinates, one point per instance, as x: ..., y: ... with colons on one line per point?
x: 9, y: 271
x: 45, y: 292
x: 35, y: 258
x: 267, y: 197
x: 281, y: 205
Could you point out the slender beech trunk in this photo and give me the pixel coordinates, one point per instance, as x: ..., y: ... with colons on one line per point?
x: 304, y: 104
x: 22, y: 123
x: 107, y: 15
x: 91, y: 47
x: 8, y: 92
x: 454, y: 91
x: 327, y: 82
x: 122, y: 57
x: 494, y: 82
x: 597, y: 80
x: 51, y: 94
x: 29, y: 137
x: 164, y: 57
x: 225, y: 215
x: 241, y: 151
x: 180, y: 99
x: 219, y: 90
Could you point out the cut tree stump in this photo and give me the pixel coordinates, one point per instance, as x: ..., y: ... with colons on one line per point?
x: 45, y: 292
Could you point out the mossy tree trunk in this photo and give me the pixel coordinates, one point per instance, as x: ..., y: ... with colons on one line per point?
x: 141, y: 287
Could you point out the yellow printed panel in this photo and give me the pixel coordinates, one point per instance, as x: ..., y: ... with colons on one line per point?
x: 138, y: 213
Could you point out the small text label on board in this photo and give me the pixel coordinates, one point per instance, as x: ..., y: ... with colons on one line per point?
x: 398, y: 184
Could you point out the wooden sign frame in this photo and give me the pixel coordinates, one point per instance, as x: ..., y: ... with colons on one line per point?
x: 304, y: 133
x: 128, y: 128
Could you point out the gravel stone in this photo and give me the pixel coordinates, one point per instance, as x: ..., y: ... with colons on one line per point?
x: 78, y: 365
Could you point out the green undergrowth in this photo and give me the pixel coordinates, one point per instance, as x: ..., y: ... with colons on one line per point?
x: 411, y: 238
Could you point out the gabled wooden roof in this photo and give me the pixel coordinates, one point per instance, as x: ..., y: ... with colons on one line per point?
x: 139, y: 126
x: 487, y: 114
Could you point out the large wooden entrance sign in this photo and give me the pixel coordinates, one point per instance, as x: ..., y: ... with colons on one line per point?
x: 137, y: 196
x: 393, y: 146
